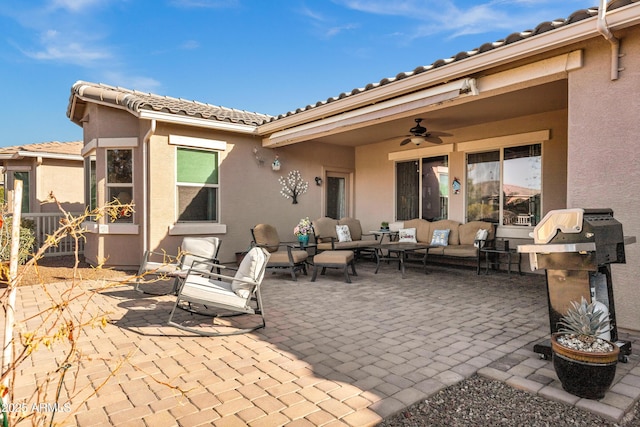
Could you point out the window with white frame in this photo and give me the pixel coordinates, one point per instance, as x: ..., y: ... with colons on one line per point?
x: 422, y: 189
x: 197, y: 185
x: 90, y: 194
x: 23, y: 176
x: 505, y: 185
x: 120, y: 179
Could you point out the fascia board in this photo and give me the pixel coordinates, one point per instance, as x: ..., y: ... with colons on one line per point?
x: 359, y: 118
x: 23, y: 154
x: 194, y: 121
x: 545, y: 42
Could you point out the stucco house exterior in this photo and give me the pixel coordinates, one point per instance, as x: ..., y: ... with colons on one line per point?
x: 541, y: 120
x: 44, y: 168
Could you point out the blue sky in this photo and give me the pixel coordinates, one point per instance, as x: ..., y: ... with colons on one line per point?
x: 267, y: 56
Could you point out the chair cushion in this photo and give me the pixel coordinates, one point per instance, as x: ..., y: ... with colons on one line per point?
x: 407, y: 235
x: 325, y: 229
x: 251, y: 268
x: 201, y: 289
x: 333, y: 258
x: 199, y: 249
x: 267, y: 236
x: 355, y: 229
x: 440, y: 237
x: 282, y: 257
x: 344, y: 235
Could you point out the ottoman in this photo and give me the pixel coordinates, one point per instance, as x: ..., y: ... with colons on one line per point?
x: 334, y: 259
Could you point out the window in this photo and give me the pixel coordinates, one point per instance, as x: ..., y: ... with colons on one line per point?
x: 504, y: 186
x: 90, y: 196
x: 197, y: 185
x: 422, y: 189
x: 522, y: 185
x: 120, y: 179
x: 435, y: 188
x: 407, y: 190
x: 483, y: 186
x: 24, y: 177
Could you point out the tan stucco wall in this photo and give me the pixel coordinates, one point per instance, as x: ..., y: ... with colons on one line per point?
x: 123, y: 250
x: 249, y: 193
x: 65, y: 179
x: 604, y: 155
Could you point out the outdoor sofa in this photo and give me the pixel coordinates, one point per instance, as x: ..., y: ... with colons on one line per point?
x: 452, y: 238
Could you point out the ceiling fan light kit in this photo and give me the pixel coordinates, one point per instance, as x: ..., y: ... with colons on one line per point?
x: 419, y: 134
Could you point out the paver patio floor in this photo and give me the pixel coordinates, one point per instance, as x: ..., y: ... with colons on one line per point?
x: 332, y: 353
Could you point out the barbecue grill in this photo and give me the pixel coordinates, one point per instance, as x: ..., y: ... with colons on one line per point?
x: 576, y: 247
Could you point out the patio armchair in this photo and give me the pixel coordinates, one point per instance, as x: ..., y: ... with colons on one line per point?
x: 161, y: 266
x: 284, y: 255
x: 213, y: 294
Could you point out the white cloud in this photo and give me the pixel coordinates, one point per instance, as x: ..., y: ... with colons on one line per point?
x: 59, y: 47
x: 459, y: 17
x: 75, y: 5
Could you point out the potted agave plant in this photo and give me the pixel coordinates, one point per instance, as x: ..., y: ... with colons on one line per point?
x: 583, y: 359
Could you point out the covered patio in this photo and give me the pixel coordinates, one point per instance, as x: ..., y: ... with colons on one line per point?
x: 332, y: 353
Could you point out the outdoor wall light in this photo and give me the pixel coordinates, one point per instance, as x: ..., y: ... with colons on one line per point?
x: 276, y: 164
x: 318, y: 180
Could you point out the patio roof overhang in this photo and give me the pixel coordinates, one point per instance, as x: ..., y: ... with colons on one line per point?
x: 387, y: 111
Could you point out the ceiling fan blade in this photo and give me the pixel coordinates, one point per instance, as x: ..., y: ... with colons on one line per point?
x: 431, y: 139
x: 405, y: 141
x: 438, y: 134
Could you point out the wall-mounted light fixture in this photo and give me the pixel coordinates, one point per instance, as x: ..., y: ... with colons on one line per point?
x: 318, y: 180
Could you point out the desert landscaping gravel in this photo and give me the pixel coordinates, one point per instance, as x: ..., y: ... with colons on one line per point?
x: 479, y: 402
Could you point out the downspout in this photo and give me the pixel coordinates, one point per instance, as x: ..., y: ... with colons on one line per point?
x: 603, y: 28
x: 145, y: 184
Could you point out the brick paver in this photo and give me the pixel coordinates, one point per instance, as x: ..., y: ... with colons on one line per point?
x: 331, y: 354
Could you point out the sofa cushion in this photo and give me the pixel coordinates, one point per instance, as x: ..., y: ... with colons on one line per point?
x: 462, y: 251
x: 354, y: 227
x: 440, y: 237
x: 343, y: 233
x: 423, y: 229
x: 447, y: 224
x: 281, y: 258
x: 407, y: 235
x: 325, y: 228
x: 468, y: 231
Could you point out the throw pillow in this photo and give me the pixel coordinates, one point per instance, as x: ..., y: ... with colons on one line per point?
x: 343, y: 233
x: 440, y: 237
x: 481, y: 237
x: 407, y: 235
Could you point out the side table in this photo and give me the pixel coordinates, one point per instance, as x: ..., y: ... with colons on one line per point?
x: 501, y: 256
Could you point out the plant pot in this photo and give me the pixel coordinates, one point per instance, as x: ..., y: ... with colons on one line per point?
x: 303, y: 239
x: 584, y: 374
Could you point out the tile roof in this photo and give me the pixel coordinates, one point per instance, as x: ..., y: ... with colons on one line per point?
x: 46, y: 148
x: 136, y: 101
x: 512, y: 38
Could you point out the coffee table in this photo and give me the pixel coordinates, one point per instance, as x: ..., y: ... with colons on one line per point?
x: 401, y: 249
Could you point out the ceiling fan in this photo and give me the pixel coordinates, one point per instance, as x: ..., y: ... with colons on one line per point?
x: 419, y: 134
